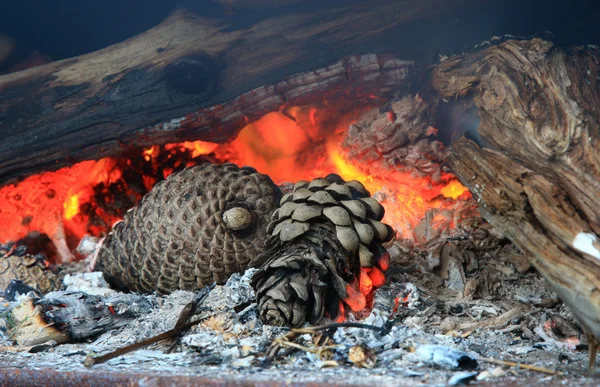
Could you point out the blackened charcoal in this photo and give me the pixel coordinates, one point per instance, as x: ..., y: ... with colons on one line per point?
x: 16, y: 288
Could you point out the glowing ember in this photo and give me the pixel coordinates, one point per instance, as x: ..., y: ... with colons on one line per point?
x: 366, y: 284
x: 376, y: 276
x: 355, y: 299
x: 297, y: 143
x: 198, y: 148
x: 148, y: 153
x: 48, y: 202
x: 71, y: 207
x: 453, y: 190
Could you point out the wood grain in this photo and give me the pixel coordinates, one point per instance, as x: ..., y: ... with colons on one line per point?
x: 533, y: 160
x: 195, y: 78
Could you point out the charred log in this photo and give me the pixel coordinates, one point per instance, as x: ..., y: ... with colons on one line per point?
x: 533, y: 162
x: 195, y: 78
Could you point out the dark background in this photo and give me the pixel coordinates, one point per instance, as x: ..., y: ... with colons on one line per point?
x: 66, y: 28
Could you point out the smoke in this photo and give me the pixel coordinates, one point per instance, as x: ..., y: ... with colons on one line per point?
x: 458, y: 118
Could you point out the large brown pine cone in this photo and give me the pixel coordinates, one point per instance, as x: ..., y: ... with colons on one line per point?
x: 31, y: 270
x: 194, y: 228
x: 321, y: 236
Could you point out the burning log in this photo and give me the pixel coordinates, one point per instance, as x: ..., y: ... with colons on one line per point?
x: 196, y: 78
x: 400, y: 153
x: 323, y: 253
x: 531, y: 157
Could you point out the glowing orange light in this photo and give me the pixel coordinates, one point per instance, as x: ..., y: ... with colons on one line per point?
x: 439, y: 218
x: 296, y: 143
x: 355, y: 299
x: 347, y: 170
x: 198, y: 148
x: 71, y: 207
x: 272, y: 146
x: 148, y: 153
x: 366, y: 285
x: 341, y: 317
x: 384, y: 261
x: 454, y: 189
x: 377, y: 277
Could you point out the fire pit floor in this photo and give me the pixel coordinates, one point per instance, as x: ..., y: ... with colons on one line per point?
x: 23, y: 373
x: 431, y: 334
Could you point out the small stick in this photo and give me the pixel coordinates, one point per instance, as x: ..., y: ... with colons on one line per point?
x: 336, y: 326
x: 524, y: 366
x: 314, y: 350
x: 180, y: 325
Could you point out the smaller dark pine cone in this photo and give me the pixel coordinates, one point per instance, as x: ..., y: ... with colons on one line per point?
x: 322, y: 234
x: 32, y: 271
x: 197, y: 227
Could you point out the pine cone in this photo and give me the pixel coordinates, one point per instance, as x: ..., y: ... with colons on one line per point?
x: 194, y: 228
x: 31, y: 270
x: 325, y: 235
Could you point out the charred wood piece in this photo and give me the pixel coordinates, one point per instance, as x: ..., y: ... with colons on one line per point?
x: 72, y: 316
x: 531, y: 157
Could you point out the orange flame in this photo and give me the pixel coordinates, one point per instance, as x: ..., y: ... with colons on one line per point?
x: 296, y: 143
x: 198, y: 148
x: 71, y: 207
x: 454, y: 189
x: 148, y: 153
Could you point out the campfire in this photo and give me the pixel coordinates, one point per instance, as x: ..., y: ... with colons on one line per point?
x: 422, y: 200
x: 297, y: 143
x: 198, y: 206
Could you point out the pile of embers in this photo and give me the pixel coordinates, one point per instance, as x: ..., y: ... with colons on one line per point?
x: 454, y: 310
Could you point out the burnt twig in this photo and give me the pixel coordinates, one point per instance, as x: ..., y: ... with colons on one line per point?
x: 180, y: 325
x: 520, y: 365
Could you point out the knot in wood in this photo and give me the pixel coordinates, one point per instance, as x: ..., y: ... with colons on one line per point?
x: 195, y: 75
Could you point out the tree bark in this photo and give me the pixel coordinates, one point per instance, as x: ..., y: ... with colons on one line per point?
x: 196, y: 78
x: 532, y: 156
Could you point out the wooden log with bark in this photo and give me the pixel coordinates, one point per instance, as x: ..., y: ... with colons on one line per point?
x: 194, y: 78
x: 531, y: 156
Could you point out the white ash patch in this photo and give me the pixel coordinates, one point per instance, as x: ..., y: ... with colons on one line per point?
x: 236, y: 291
x: 160, y: 320
x: 90, y: 283
x: 88, y: 245
x: 233, y: 332
x: 411, y: 310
